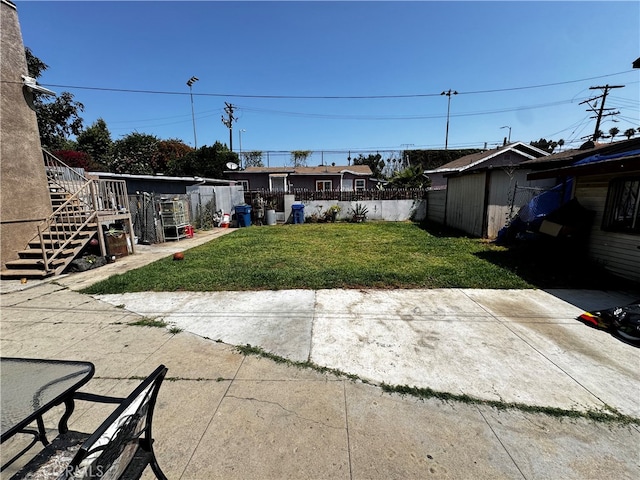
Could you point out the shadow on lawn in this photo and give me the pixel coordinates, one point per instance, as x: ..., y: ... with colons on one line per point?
x: 555, y: 265
x: 546, y: 263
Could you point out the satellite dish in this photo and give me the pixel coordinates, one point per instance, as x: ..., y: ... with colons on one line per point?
x: 232, y: 166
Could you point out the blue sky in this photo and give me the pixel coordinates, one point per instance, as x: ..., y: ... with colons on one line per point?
x: 526, y: 65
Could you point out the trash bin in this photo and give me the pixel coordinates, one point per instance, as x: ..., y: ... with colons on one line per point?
x: 243, y: 214
x: 298, y: 212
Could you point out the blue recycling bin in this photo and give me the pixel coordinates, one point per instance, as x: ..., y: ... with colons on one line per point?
x: 298, y: 212
x: 243, y: 215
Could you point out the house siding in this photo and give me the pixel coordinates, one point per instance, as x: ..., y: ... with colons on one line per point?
x: 502, y: 185
x: 305, y: 182
x: 260, y: 180
x: 616, y: 252
x: 465, y: 203
x: 436, y: 205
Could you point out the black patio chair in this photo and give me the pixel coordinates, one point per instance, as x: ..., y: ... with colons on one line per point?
x: 120, y: 448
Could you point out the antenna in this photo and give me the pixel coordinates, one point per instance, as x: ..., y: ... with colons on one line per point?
x: 232, y: 166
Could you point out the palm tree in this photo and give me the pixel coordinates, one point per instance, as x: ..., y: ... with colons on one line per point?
x: 629, y: 132
x: 613, y: 132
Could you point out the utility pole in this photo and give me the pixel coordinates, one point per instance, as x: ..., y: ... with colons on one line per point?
x: 448, y: 94
x: 600, y: 113
x: 228, y: 122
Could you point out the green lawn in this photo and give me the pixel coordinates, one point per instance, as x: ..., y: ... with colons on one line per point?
x: 365, y: 255
x: 315, y: 256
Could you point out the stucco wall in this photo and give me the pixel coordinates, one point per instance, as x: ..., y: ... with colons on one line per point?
x: 387, y: 210
x: 24, y: 194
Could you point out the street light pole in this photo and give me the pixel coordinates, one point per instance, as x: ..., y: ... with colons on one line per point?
x: 190, y: 82
x: 507, y: 126
x: 448, y: 94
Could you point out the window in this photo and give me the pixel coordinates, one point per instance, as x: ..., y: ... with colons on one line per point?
x: 347, y: 184
x: 622, y: 210
x: 360, y: 184
x: 322, y: 185
x: 278, y: 182
x: 245, y: 184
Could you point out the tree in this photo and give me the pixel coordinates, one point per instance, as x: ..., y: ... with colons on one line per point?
x: 58, y: 118
x: 629, y: 132
x: 299, y: 157
x: 546, y: 145
x: 613, y: 132
x: 410, y: 177
x: 375, y: 162
x: 169, y: 156
x: 77, y: 159
x: 207, y: 161
x: 253, y: 159
x: 597, y: 135
x: 135, y: 153
x: 96, y: 141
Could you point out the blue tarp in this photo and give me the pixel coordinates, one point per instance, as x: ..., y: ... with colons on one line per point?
x: 601, y: 158
x: 542, y: 205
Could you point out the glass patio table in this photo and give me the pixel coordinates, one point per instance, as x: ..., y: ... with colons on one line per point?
x: 32, y: 387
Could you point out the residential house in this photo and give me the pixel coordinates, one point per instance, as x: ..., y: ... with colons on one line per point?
x: 22, y: 175
x: 289, y: 179
x: 477, y: 193
x: 607, y: 182
x: 159, y: 184
x: 49, y: 211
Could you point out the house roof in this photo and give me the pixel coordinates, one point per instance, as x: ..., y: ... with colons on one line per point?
x: 160, y: 178
x: 475, y: 160
x: 617, y: 164
x: 314, y: 171
x: 568, y: 157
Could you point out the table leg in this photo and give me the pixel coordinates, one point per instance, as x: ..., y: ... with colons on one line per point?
x: 42, y: 433
x: 70, y: 406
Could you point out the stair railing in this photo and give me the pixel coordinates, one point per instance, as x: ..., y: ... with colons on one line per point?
x: 85, y: 200
x: 65, y: 224
x: 61, y: 176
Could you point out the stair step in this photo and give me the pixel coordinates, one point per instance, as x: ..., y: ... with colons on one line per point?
x: 55, y: 242
x: 37, y: 253
x: 31, y: 264
x: 88, y: 227
x: 25, y: 273
x: 61, y: 237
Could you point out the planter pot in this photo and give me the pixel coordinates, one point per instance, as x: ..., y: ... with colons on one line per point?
x: 270, y: 217
x: 117, y: 245
x: 358, y: 218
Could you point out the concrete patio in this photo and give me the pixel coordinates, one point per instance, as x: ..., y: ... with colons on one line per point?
x: 222, y: 414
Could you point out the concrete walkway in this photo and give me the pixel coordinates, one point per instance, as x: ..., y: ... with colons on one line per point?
x: 226, y: 415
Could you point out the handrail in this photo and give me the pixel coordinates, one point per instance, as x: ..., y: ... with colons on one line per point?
x: 61, y: 174
x: 86, y: 199
x: 68, y: 219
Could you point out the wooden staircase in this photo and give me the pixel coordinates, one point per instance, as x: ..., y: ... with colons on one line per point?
x: 59, y: 241
x: 78, y: 215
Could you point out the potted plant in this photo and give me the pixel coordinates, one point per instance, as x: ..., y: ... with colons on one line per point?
x: 359, y: 212
x: 332, y: 213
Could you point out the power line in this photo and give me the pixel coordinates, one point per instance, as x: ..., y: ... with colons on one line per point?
x: 328, y: 97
